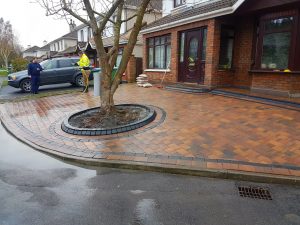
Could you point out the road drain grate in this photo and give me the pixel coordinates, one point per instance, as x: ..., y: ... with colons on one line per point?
x: 255, y: 192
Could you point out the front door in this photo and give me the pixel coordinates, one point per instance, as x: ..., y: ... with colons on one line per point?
x: 192, y: 56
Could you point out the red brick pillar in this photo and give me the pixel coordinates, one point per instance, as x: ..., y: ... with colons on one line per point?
x: 131, y: 70
x: 212, y: 49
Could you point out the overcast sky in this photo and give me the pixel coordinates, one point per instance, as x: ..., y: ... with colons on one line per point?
x: 30, y: 22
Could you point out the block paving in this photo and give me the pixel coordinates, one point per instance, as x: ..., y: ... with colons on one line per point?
x: 198, y: 131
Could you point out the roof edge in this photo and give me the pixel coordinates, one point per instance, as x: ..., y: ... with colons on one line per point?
x: 209, y: 15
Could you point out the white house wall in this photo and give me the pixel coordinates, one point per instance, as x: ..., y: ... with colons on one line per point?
x: 29, y: 54
x: 70, y: 43
x: 138, y: 51
x: 85, y: 31
x: 168, y: 5
x: 40, y: 53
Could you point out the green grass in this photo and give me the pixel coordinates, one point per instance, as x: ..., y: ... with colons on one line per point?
x: 3, y: 73
x: 4, y: 83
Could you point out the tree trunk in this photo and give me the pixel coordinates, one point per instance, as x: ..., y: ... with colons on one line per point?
x: 5, y: 59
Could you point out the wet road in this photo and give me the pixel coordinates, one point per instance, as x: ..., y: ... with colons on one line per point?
x: 36, y: 189
x: 8, y: 91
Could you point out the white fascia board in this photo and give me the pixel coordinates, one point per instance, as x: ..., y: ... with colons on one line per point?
x: 209, y: 15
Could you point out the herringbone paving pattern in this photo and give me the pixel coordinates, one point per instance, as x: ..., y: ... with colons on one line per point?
x: 191, y: 130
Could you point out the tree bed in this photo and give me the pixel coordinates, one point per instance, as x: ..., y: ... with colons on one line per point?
x: 123, y: 118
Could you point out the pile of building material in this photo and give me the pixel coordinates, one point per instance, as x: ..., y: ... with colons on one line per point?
x: 142, y: 81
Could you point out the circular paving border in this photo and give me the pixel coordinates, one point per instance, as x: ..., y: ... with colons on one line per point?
x: 66, y: 127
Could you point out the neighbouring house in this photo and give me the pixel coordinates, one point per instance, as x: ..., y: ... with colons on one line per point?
x: 44, y: 52
x: 252, y: 44
x: 86, y: 42
x: 30, y: 52
x: 61, y: 44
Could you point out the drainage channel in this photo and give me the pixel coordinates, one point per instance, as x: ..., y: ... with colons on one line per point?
x: 254, y: 192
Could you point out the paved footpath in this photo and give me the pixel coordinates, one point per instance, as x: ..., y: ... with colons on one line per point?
x: 205, y: 133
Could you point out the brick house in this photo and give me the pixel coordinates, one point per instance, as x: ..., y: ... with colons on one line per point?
x: 250, y: 44
x: 134, y: 67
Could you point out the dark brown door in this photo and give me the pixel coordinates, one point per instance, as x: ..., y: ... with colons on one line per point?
x: 192, y: 56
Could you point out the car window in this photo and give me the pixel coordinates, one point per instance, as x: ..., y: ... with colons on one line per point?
x: 75, y: 60
x: 51, y: 64
x: 65, y: 63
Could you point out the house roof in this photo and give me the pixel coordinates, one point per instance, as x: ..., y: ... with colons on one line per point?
x: 194, y: 13
x: 45, y: 48
x: 71, y: 35
x: 109, y: 41
x: 31, y: 49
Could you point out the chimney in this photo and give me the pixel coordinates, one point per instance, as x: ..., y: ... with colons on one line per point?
x: 28, y: 46
x: 44, y: 42
x: 72, y: 25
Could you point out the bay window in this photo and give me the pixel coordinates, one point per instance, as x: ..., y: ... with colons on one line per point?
x: 277, y: 42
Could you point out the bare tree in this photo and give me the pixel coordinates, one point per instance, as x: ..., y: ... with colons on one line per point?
x: 6, y: 41
x: 96, y: 14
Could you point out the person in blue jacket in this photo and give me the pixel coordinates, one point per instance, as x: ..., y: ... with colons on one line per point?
x: 34, y: 69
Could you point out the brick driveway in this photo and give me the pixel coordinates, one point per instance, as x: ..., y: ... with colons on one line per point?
x: 197, y: 131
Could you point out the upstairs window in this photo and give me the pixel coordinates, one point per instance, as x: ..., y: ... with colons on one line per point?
x: 226, y: 47
x: 179, y: 3
x: 82, y: 36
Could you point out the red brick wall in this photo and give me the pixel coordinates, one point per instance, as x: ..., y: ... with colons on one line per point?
x: 172, y: 76
x: 242, y: 58
x: 281, y: 84
x: 219, y: 78
x: 213, y: 76
x: 242, y: 52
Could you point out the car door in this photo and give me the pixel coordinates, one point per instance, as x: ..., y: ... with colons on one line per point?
x: 49, y: 73
x: 66, y: 70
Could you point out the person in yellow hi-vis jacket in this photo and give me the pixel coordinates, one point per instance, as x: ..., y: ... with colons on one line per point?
x: 84, y: 64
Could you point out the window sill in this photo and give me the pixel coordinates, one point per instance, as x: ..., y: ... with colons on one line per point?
x: 226, y: 70
x: 273, y: 72
x: 157, y: 70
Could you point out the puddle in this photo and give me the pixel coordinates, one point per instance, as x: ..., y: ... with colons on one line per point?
x: 146, y: 213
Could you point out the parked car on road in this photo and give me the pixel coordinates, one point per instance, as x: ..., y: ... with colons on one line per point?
x: 56, y: 71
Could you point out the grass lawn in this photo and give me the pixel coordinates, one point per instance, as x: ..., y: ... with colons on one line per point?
x: 3, y: 73
x: 4, y: 83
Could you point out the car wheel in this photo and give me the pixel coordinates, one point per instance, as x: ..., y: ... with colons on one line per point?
x: 79, y: 81
x: 25, y: 85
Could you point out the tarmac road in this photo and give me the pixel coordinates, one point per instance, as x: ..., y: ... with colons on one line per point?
x: 36, y: 189
x: 8, y: 91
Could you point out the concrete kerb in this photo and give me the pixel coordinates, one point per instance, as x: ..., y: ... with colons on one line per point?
x: 164, y: 168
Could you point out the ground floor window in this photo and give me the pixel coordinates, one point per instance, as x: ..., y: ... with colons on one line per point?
x: 159, y: 52
x: 226, y: 47
x: 277, y: 42
x: 119, y: 57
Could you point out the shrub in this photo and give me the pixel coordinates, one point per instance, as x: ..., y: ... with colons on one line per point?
x: 19, y: 64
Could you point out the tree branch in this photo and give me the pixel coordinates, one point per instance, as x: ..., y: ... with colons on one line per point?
x: 72, y: 13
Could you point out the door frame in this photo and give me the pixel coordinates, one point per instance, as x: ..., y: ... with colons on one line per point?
x: 181, y: 76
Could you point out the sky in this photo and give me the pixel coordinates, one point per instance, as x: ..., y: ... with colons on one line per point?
x: 30, y: 23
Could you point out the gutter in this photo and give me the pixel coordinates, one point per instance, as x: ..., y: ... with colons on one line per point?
x: 209, y: 15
